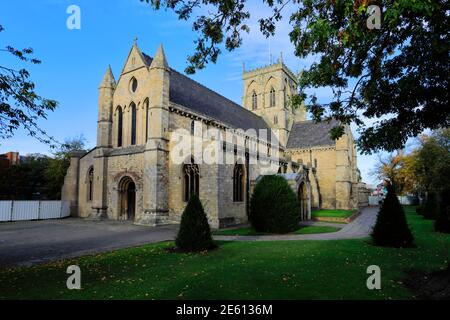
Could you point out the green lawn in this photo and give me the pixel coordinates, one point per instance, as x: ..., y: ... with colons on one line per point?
x: 328, y: 213
x: 247, y: 231
x: 238, y: 270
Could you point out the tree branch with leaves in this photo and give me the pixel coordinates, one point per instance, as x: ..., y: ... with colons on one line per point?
x: 395, y: 76
x: 20, y: 105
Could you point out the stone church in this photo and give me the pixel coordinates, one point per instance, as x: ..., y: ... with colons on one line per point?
x: 129, y: 175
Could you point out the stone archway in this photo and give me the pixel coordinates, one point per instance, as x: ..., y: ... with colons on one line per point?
x: 127, y: 199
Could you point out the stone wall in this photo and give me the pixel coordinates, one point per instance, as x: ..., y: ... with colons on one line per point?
x: 120, y: 166
x: 85, y: 205
x: 323, y: 160
x: 363, y: 195
x: 230, y: 212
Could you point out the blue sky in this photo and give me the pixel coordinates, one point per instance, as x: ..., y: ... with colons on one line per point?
x: 74, y: 61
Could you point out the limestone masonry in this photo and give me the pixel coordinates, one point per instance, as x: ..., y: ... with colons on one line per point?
x: 129, y: 175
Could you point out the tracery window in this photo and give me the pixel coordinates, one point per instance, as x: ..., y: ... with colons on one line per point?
x: 272, y: 97
x: 191, y: 180
x: 238, y: 183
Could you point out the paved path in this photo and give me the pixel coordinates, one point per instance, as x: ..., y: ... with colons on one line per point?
x: 31, y: 242
x: 359, y: 228
x: 322, y: 223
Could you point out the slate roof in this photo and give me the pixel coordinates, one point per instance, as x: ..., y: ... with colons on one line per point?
x: 307, y: 134
x: 192, y: 95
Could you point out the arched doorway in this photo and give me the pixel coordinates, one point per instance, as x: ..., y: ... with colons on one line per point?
x: 303, y: 201
x: 127, y: 195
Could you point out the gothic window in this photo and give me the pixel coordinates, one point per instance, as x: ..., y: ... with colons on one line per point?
x: 91, y: 184
x: 234, y: 141
x: 191, y: 177
x: 254, y: 101
x: 192, y: 127
x: 272, y: 97
x: 133, y: 123
x: 275, y: 120
x: 147, y: 119
x: 315, y: 163
x: 238, y: 183
x: 119, y: 126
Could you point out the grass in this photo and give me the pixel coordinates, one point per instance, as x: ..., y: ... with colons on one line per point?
x: 325, y: 213
x: 238, y: 270
x: 316, y: 229
x: 248, y: 231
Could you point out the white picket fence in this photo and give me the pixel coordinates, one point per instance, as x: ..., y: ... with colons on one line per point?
x: 33, y: 210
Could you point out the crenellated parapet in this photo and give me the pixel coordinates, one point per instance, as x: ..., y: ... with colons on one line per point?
x: 279, y: 65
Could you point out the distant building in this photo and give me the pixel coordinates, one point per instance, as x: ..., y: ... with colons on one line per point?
x: 9, y: 159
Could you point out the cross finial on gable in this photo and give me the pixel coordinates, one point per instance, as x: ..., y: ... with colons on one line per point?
x: 135, y: 40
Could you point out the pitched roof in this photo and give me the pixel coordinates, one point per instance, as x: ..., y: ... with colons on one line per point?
x: 192, y: 95
x: 307, y: 134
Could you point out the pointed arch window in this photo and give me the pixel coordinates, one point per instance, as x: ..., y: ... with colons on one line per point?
x: 133, y: 123
x: 119, y: 126
x: 254, y: 101
x: 191, y: 177
x: 90, y: 184
x: 272, y: 97
x: 238, y: 183
x: 147, y: 118
x: 192, y: 127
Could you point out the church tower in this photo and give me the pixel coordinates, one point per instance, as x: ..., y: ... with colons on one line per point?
x: 104, y: 144
x: 266, y: 93
x: 156, y: 154
x: 105, y: 106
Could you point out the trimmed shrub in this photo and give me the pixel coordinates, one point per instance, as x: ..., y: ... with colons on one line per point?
x: 442, y: 223
x: 391, y: 228
x: 274, y: 206
x: 194, y: 233
x: 431, y: 208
